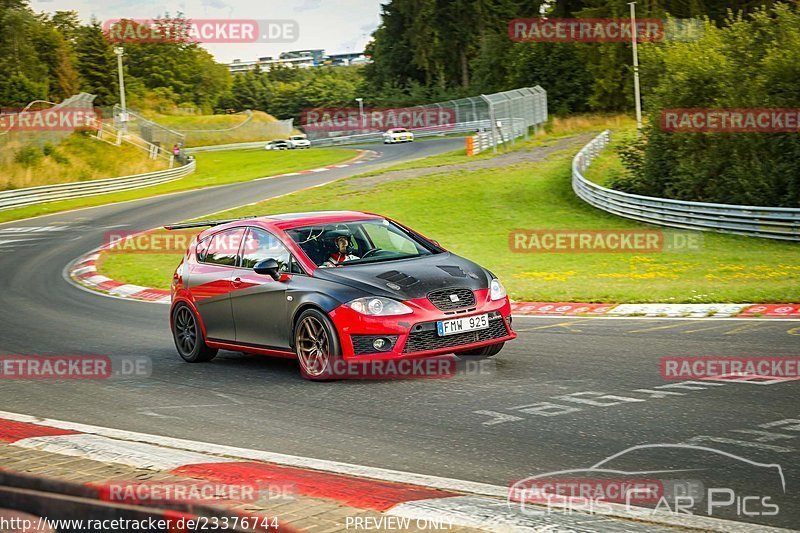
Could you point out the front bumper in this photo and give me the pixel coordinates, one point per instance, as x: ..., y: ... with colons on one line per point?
x: 414, y: 335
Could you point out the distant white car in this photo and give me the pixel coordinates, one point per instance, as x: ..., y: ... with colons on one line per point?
x: 279, y: 144
x: 397, y: 135
x: 299, y: 141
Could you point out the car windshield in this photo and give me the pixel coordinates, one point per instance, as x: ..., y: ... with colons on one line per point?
x: 360, y: 242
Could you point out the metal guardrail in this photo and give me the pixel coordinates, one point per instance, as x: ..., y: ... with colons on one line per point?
x: 347, y: 139
x: 67, y: 191
x: 769, y: 222
x: 223, y: 147
x: 377, y: 136
x: 504, y: 116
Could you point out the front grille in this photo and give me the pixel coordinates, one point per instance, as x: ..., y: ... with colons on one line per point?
x: 362, y: 344
x: 441, y: 298
x: 429, y: 339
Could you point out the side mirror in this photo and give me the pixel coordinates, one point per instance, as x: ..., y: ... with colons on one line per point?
x: 267, y: 267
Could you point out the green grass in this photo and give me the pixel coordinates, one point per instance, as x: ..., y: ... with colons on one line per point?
x: 473, y: 212
x: 147, y: 270
x: 607, y: 165
x: 556, y: 128
x: 78, y: 157
x: 213, y: 168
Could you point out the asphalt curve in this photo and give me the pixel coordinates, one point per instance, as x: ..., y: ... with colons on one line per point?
x: 567, y: 394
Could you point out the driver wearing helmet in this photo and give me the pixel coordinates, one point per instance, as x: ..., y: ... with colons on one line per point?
x: 342, y: 253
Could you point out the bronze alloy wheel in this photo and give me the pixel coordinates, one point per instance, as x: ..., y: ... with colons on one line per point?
x: 313, y: 346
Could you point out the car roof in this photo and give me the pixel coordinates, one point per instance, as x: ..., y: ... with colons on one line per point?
x: 287, y: 221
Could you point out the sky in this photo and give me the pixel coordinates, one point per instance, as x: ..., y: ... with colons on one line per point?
x: 338, y: 26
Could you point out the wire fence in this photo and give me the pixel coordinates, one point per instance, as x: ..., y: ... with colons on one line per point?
x: 156, y: 134
x: 13, y: 139
x: 503, y: 116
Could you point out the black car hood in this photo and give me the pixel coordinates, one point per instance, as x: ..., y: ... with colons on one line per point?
x: 408, y: 279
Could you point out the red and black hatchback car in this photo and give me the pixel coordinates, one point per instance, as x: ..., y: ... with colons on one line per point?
x: 328, y: 287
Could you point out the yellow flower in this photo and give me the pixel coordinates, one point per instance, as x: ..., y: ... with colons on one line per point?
x: 547, y: 276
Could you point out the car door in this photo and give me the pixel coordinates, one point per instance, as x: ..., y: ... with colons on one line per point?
x: 210, y: 281
x: 259, y: 304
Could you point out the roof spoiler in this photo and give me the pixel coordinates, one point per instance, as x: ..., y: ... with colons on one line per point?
x: 206, y: 223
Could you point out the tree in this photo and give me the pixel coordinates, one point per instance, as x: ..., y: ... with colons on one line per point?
x: 752, y: 62
x: 97, y: 65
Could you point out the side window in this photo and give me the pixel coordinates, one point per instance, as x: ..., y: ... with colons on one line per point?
x: 202, y: 249
x: 294, y: 266
x: 260, y: 245
x: 223, y: 248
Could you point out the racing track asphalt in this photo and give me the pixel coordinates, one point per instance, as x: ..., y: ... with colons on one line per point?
x: 491, y: 426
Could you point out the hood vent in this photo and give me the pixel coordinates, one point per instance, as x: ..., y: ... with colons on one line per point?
x: 455, y: 271
x: 398, y: 278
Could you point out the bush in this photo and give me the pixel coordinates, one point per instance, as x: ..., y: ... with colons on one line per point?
x: 29, y: 156
x: 631, y: 152
x: 50, y: 151
x: 753, y: 62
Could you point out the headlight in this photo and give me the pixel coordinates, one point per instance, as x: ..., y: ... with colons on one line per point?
x: 496, y: 290
x: 379, y: 307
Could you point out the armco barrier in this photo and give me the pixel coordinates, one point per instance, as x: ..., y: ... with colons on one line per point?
x: 223, y: 147
x: 769, y: 222
x: 68, y: 191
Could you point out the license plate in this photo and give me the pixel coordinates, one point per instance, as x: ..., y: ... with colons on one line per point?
x: 460, y: 325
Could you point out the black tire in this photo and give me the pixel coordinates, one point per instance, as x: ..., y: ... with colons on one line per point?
x: 486, y: 351
x: 316, y: 345
x: 188, y: 336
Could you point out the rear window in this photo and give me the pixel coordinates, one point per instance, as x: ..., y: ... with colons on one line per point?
x: 221, y: 248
